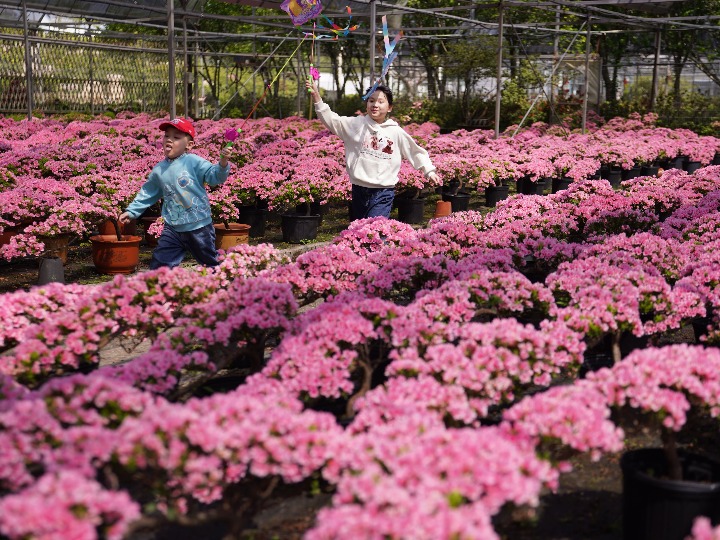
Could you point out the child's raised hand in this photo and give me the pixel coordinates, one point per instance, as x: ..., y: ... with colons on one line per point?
x: 226, y: 153
x: 311, y: 85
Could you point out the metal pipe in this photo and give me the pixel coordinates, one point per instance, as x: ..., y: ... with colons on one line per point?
x: 586, y: 85
x: 300, y: 87
x: 373, y: 31
x: 196, y: 74
x: 28, y: 64
x: 654, y: 87
x: 556, y: 48
x: 92, y: 82
x: 498, y: 80
x: 171, y: 54
x: 186, y: 72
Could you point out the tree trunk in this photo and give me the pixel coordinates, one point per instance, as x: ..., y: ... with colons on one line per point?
x: 431, y: 81
x: 677, y: 70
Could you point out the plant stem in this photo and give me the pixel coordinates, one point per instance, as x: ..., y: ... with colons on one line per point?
x: 364, y: 388
x: 615, y: 346
x: 671, y: 454
x: 118, y: 232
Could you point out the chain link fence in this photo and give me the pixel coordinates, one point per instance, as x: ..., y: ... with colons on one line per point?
x: 84, y: 76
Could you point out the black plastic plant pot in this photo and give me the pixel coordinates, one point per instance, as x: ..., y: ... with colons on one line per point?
x: 459, y: 202
x: 656, y: 508
x: 297, y: 228
x: 495, y: 194
x: 410, y: 211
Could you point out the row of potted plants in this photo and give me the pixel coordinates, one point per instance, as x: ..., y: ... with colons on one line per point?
x: 90, y: 171
x: 439, y: 379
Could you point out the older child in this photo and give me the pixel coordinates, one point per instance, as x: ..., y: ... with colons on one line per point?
x: 180, y: 180
x: 374, y: 148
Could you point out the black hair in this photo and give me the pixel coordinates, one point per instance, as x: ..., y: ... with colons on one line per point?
x: 385, y: 90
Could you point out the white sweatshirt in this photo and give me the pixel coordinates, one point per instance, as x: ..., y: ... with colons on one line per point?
x: 373, y: 151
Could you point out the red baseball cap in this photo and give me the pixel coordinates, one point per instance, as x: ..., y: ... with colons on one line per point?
x: 183, y: 124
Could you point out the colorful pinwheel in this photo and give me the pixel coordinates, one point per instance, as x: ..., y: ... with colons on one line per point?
x: 390, y: 54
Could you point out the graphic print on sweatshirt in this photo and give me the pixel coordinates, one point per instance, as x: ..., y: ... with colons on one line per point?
x: 182, y: 205
x: 377, y: 146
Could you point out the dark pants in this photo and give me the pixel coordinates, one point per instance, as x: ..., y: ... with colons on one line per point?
x: 371, y: 202
x: 172, y: 245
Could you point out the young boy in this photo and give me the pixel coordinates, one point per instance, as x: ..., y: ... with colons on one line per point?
x: 179, y: 179
x: 374, y: 148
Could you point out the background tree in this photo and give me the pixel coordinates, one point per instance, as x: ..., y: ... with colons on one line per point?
x: 470, y: 60
x: 428, y: 51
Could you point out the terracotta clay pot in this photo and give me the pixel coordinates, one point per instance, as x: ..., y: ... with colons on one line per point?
x: 8, y: 233
x: 107, y: 227
x: 232, y: 235
x: 113, y: 256
x: 443, y: 208
x: 56, y: 246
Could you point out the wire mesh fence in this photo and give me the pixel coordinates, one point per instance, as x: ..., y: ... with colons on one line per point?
x: 82, y: 76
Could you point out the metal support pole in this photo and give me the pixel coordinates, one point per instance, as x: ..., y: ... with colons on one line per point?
x: 196, y: 73
x: 171, y: 54
x: 28, y: 64
x: 586, y: 85
x: 300, y: 87
x: 498, y: 81
x: 186, y: 72
x: 254, y: 62
x: 653, y: 88
x: 373, y: 31
x: 556, y: 47
x: 92, y: 81
x: 599, y: 78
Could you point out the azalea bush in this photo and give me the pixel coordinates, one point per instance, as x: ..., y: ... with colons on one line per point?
x: 427, y: 377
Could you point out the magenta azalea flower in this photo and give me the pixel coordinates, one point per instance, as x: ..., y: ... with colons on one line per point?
x: 232, y: 134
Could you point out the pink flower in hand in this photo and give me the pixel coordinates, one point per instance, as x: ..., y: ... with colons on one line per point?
x: 314, y: 73
x: 232, y: 134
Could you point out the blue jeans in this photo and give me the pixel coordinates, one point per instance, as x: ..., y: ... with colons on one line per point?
x: 371, y: 202
x: 172, y: 245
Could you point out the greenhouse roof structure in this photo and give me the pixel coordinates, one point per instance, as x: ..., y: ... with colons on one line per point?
x: 178, y: 17
x: 155, y: 12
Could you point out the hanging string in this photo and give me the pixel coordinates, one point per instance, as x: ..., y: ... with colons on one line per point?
x: 257, y: 103
x: 217, y: 114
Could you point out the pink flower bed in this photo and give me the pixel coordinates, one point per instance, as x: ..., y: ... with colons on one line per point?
x: 377, y: 362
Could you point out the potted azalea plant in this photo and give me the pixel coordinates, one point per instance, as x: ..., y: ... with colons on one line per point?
x: 45, y: 219
x: 305, y: 185
x: 409, y: 193
x: 116, y: 249
x: 665, y: 488
x: 458, y: 171
x: 225, y: 212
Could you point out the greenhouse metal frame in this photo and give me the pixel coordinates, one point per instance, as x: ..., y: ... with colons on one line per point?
x: 76, y: 16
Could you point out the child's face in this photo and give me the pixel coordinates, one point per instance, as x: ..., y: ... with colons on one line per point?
x: 176, y: 142
x: 378, y: 106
